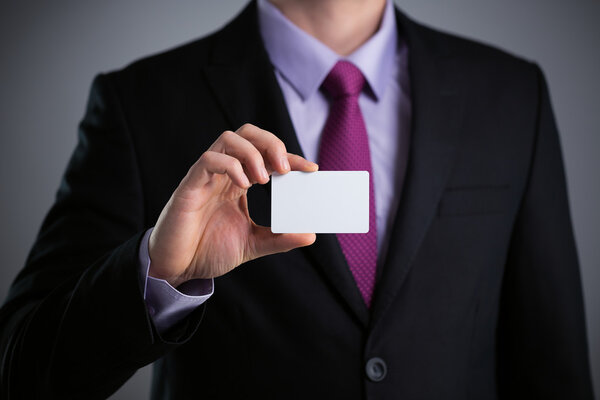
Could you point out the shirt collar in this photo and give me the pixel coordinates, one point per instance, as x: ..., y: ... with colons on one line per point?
x: 304, y: 62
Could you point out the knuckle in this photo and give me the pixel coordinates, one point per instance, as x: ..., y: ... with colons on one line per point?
x: 235, y: 165
x: 280, y: 146
x: 210, y: 160
x: 227, y: 136
x: 246, y: 127
x: 207, y: 156
x: 199, y: 163
x: 277, y: 147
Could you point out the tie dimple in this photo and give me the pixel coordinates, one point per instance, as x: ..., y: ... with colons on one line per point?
x: 345, y: 147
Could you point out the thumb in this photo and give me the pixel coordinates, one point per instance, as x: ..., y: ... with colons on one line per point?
x: 266, y: 242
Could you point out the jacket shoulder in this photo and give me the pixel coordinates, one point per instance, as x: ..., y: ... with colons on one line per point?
x: 183, y: 64
x: 471, y: 55
x: 176, y: 63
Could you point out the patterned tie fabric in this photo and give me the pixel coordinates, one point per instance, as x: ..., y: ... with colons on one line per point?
x: 345, y: 147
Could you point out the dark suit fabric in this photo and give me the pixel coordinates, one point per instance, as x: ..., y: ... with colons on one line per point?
x: 478, y: 297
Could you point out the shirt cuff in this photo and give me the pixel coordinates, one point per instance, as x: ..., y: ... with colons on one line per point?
x: 166, y: 304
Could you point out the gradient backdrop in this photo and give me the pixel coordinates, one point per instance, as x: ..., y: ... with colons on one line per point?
x: 50, y: 51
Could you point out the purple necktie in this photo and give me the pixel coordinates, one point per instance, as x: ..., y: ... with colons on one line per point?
x: 345, y: 147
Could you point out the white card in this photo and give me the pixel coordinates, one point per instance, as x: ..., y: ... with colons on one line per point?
x: 320, y: 202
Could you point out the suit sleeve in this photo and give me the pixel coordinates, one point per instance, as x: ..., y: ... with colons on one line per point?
x: 75, y: 324
x: 542, y: 350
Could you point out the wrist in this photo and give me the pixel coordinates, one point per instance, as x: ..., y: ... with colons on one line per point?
x: 173, y: 280
x: 154, y: 269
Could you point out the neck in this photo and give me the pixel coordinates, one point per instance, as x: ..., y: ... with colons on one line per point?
x: 342, y: 25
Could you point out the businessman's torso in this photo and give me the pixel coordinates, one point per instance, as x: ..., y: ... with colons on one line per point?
x: 294, y: 323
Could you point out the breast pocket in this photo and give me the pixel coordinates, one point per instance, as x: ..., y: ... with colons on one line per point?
x: 476, y: 200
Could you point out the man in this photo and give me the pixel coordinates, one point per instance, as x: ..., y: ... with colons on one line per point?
x: 466, y: 286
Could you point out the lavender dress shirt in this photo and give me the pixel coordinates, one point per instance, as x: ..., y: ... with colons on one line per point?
x: 301, y: 63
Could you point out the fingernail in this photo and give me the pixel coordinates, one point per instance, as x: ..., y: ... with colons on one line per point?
x: 264, y: 174
x: 285, y: 163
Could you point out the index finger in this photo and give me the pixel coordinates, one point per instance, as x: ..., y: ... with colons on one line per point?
x: 298, y: 163
x: 270, y: 146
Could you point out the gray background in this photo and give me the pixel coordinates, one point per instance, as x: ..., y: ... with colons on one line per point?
x: 50, y: 51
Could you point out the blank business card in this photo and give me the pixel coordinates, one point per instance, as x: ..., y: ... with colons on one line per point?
x: 320, y: 202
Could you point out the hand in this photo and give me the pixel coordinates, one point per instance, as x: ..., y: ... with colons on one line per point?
x: 205, y: 229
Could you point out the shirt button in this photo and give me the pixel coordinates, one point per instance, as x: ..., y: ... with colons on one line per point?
x: 376, y: 369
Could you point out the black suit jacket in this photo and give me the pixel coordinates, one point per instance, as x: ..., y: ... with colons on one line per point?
x: 478, y: 296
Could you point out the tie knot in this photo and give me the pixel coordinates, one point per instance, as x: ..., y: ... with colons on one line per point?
x: 344, y: 80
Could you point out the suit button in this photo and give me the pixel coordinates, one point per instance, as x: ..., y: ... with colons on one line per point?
x: 376, y: 369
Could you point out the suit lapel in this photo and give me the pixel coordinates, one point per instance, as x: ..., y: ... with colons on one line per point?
x: 242, y: 79
x: 437, y: 107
